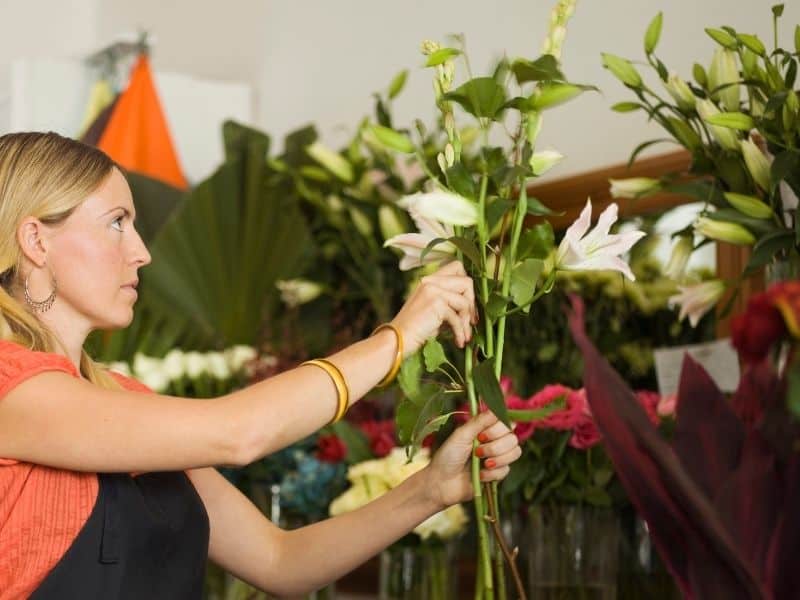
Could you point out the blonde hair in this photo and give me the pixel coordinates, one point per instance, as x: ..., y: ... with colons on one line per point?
x: 46, y: 176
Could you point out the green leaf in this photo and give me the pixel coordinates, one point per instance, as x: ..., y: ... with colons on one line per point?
x: 428, y: 412
x: 440, y: 56
x: 653, y: 34
x: 732, y: 120
x: 480, y: 97
x: 405, y: 418
x: 354, y: 439
x: 603, y: 476
x: 488, y: 389
x: 722, y: 37
x: 752, y: 42
x: 624, y: 107
x: 409, y: 376
x: 397, y: 84
x: 431, y: 426
x: 544, y: 68
x: 536, y: 242
x: 496, y: 305
x: 766, y: 248
x: 460, y: 180
x: 433, y: 352
x: 537, y: 414
x: 643, y: 146
x: 758, y: 226
x: 524, y: 278
x: 468, y: 248
x: 597, y: 497
x: 535, y: 207
x: 431, y: 245
x: 783, y: 165
x: 553, y: 94
x: 392, y: 139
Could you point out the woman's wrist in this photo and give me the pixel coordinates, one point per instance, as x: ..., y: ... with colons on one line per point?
x: 427, y: 491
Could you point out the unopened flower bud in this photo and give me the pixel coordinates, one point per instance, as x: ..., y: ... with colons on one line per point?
x: 723, y: 231
x: 679, y: 258
x: 440, y: 160
x: 726, y: 137
x: 724, y: 71
x: 429, y: 47
x: 543, y: 161
x: 680, y: 91
x: 449, y: 155
x: 757, y: 163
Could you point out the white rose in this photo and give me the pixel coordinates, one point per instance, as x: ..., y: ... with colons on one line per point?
x: 444, y: 524
x: 356, y: 497
x: 399, y: 469
x: 237, y: 356
x: 155, y: 379
x: 174, y: 365
x: 143, y: 364
x: 196, y: 364
x: 217, y: 365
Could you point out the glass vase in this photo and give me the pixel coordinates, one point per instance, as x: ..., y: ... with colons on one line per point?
x: 642, y: 573
x: 783, y: 267
x: 423, y: 572
x: 572, y: 553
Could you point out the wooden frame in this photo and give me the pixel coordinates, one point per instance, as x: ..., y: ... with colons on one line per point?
x: 568, y: 195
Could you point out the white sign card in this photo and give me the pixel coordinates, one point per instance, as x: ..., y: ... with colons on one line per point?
x: 717, y: 357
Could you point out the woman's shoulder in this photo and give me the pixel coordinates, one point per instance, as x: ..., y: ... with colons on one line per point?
x: 18, y: 363
x: 129, y: 383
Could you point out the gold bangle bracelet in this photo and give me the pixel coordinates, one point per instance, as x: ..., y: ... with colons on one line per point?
x: 343, y: 394
x: 398, y: 357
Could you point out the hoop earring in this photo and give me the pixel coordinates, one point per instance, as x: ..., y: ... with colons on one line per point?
x: 44, y: 305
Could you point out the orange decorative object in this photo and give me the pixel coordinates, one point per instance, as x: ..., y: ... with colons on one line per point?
x: 137, y: 136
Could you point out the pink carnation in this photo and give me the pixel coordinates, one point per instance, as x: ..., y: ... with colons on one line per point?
x: 649, y: 401
x: 584, y: 430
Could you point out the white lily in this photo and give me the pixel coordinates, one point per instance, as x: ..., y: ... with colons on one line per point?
x: 597, y: 250
x: 442, y: 206
x: 696, y: 300
x: 413, y: 244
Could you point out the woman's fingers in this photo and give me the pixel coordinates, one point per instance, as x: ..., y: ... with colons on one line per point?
x: 459, y: 285
x: 463, y: 309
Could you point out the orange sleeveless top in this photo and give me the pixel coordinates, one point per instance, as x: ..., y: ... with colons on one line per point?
x: 42, y: 509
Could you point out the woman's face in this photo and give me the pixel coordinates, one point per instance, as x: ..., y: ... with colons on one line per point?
x: 95, y: 255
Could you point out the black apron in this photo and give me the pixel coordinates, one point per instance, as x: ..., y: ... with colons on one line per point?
x: 146, y: 538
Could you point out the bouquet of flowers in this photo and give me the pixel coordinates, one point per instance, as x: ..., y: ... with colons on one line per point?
x: 740, y: 120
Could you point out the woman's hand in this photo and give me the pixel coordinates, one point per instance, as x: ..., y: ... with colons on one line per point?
x: 448, y: 474
x: 445, y: 296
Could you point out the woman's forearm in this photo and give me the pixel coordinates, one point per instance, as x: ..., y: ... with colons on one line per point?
x: 278, y: 411
x: 315, y: 555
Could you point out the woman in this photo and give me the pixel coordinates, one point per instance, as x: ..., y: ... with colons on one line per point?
x: 108, y: 490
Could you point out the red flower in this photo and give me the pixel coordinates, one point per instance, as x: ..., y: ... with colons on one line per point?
x: 650, y: 401
x: 754, y: 332
x: 330, y: 448
x: 380, y: 436
x: 785, y: 297
x: 579, y: 413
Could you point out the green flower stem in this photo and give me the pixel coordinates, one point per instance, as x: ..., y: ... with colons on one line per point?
x: 499, y: 558
x: 482, y: 235
x: 484, y: 566
x: 519, y: 218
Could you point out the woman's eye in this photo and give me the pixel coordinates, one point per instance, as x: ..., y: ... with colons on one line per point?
x: 117, y: 223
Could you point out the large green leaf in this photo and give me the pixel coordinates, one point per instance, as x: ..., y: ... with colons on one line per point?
x: 216, y: 262
x: 481, y: 97
x: 488, y: 389
x: 544, y: 68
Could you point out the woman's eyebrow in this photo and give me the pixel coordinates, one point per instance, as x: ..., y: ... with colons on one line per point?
x: 122, y: 208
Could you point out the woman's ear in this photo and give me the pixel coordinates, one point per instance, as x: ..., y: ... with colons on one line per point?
x: 31, y: 239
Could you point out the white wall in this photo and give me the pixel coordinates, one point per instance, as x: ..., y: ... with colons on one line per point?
x: 320, y: 60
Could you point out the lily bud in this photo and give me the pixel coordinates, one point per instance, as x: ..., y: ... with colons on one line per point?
x: 295, y: 292
x: 696, y: 300
x: 633, y: 187
x: 623, y: 70
x: 757, y: 163
x: 533, y: 126
x: 389, y: 222
x: 333, y: 161
x: 361, y: 221
x: 723, y: 231
x: 749, y: 205
x: 724, y: 70
x: 542, y: 162
x: 726, y: 137
x: 444, y: 207
x: 679, y: 258
x: 449, y: 155
x: 680, y: 91
x: 429, y: 47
